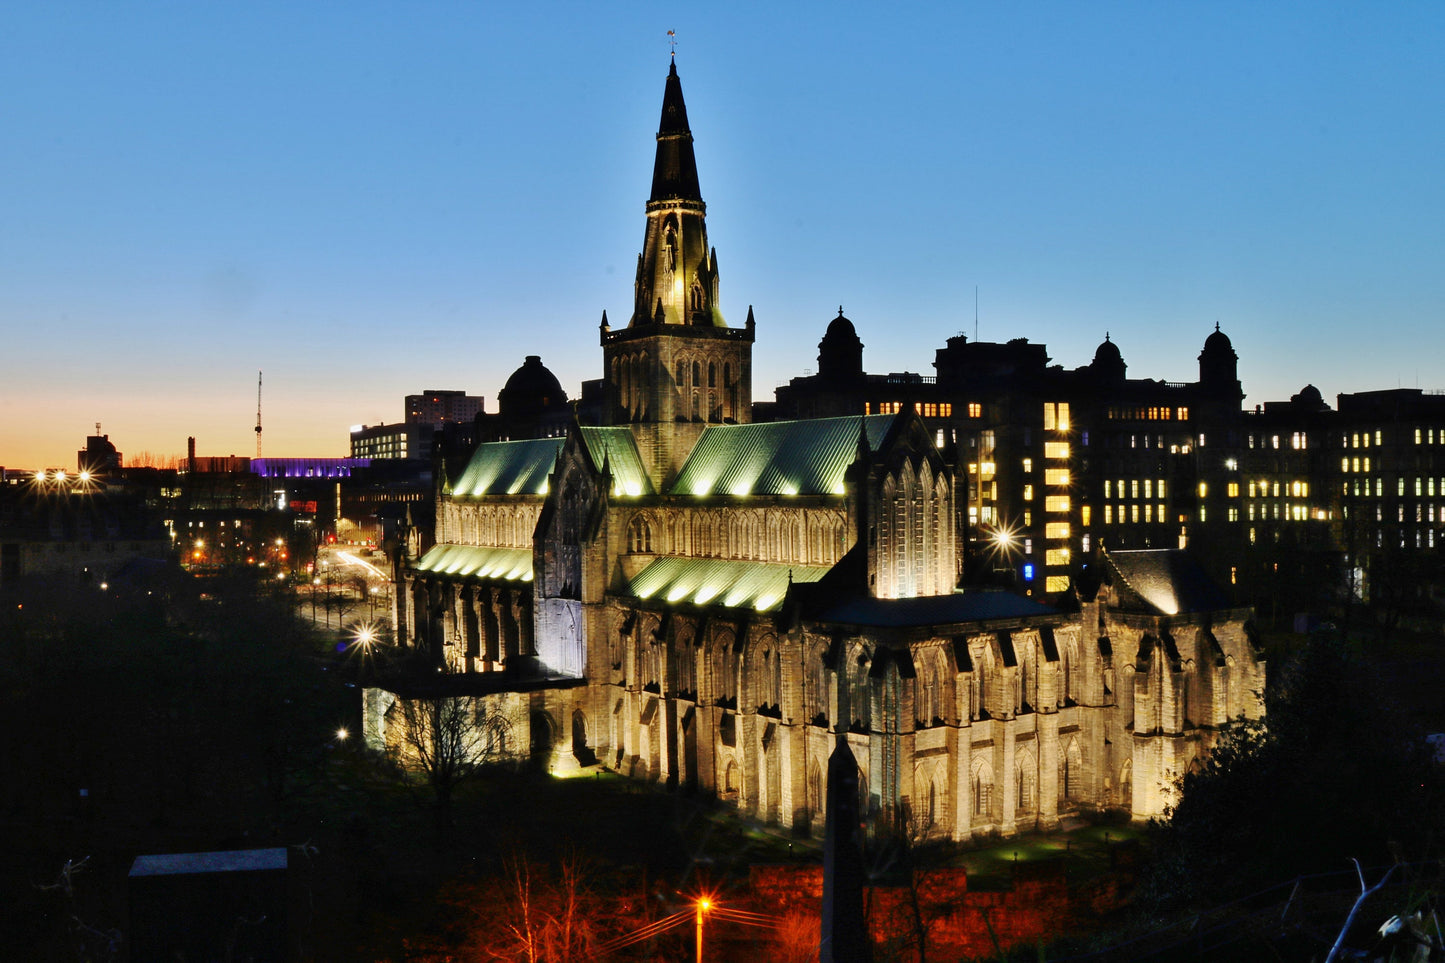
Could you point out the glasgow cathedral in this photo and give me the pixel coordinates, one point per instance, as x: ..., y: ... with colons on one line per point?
x: 1010, y: 586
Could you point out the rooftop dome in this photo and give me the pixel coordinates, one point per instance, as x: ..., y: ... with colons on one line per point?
x: 1218, y: 342
x: 531, y: 387
x: 1309, y: 397
x: 1108, y: 360
x: 840, y: 353
x: 840, y: 327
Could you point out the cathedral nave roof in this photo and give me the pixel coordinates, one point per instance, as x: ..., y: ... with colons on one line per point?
x: 709, y: 581
x: 522, y: 467
x: 778, y: 458
x: 470, y: 561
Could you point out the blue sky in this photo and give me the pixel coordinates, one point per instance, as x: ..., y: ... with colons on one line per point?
x: 370, y: 199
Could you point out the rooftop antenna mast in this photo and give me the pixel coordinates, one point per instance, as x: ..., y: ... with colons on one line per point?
x: 258, y: 414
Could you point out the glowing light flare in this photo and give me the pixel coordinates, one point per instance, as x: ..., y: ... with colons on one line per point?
x: 764, y: 602
x: 735, y: 598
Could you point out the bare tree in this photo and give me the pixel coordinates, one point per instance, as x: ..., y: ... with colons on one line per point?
x: 533, y: 914
x: 448, y: 739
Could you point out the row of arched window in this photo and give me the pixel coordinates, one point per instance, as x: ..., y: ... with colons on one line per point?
x: 506, y: 526
x: 915, y: 534
x: 799, y: 537
x: 631, y: 379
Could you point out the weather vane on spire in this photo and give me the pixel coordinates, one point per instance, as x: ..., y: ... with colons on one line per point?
x: 672, y: 42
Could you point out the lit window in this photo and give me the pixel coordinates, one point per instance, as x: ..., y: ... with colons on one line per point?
x: 1084, y: 516
x: 1028, y: 465
x: 975, y: 410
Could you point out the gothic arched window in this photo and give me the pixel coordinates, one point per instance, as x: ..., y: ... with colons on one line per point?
x: 639, y: 536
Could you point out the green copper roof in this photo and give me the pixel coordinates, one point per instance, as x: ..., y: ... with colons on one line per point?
x: 777, y: 458
x: 509, y: 468
x: 706, y: 581
x: 618, y: 449
x: 506, y: 564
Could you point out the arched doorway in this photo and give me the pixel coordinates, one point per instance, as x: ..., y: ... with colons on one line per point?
x: 543, y: 738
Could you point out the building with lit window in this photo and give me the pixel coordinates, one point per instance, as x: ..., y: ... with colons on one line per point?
x: 1391, y: 485
x: 690, y: 597
x: 1054, y: 464
x: 436, y: 407
x: 407, y: 441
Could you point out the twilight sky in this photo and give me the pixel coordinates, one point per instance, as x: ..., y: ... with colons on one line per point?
x: 368, y: 199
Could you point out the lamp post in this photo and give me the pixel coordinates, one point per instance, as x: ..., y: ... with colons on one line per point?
x: 703, y: 905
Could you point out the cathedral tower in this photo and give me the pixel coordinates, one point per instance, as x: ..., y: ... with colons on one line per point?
x: 677, y: 366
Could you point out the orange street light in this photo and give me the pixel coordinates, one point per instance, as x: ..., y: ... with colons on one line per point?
x: 703, y: 905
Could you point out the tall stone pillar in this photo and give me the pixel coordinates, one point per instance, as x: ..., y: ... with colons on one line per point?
x: 1048, y: 754
x: 1007, y: 822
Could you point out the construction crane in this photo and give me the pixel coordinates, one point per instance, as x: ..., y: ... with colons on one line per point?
x: 258, y: 414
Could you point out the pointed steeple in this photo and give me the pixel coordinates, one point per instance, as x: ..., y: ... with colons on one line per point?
x: 674, y: 172
x: 677, y: 266
x: 676, y: 366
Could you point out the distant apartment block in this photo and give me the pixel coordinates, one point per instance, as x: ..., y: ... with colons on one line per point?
x: 402, y: 442
x: 437, y: 407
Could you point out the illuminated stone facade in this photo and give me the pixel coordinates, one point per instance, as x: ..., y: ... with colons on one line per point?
x: 696, y: 600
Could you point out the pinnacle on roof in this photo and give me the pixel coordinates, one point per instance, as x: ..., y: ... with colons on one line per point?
x: 674, y: 173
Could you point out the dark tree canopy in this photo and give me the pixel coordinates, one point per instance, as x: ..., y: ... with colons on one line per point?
x: 1332, y: 772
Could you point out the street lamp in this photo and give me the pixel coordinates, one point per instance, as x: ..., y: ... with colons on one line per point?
x: 703, y: 905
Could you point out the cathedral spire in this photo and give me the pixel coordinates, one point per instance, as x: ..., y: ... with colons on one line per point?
x: 677, y: 276
x: 674, y: 172
x: 676, y: 367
